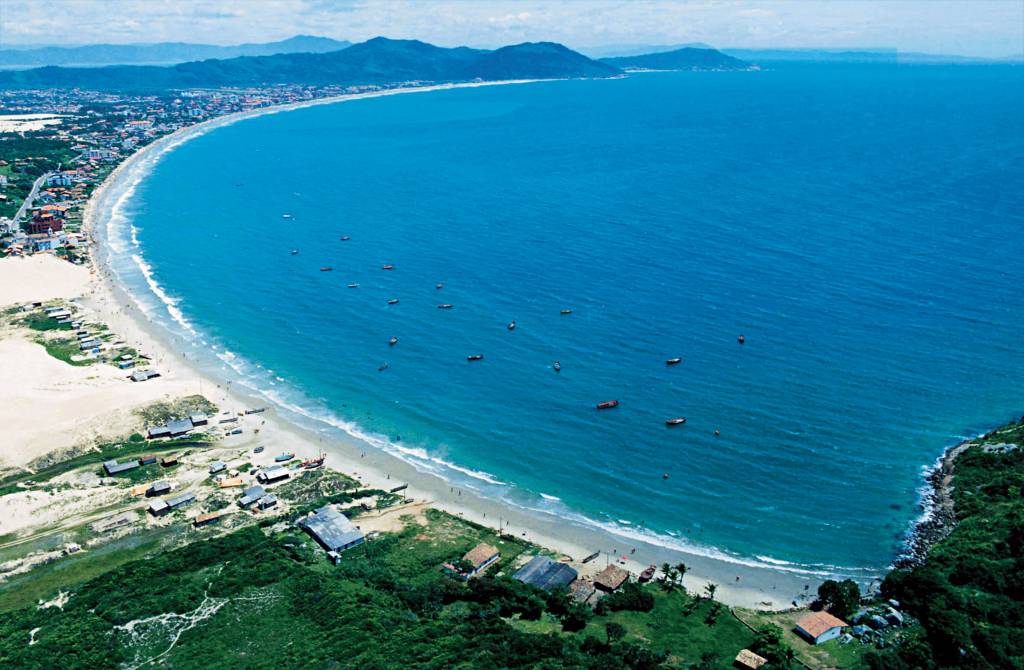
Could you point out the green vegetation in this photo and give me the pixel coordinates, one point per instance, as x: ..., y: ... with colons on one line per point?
x: 64, y: 349
x: 969, y: 593
x: 163, y: 411
x: 28, y: 156
x: 840, y: 598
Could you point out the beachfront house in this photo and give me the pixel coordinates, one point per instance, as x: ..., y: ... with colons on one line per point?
x: 273, y: 474
x: 611, y: 578
x: 545, y: 573
x: 159, y: 488
x: 112, y: 467
x: 250, y: 496
x: 820, y: 627
x: 332, y: 529
x: 479, y: 558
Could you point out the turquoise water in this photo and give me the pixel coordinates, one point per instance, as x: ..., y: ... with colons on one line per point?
x: 860, y: 225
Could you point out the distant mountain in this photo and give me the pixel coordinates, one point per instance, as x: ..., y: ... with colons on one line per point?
x: 853, y: 55
x: 687, y: 58
x: 376, y: 61
x: 163, y: 53
x: 615, y: 50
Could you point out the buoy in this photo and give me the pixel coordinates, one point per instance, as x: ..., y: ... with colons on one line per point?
x: 741, y: 339
x: 664, y: 475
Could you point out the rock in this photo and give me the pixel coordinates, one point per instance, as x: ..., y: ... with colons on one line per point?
x: 877, y: 622
x: 846, y: 639
x: 894, y: 618
x: 895, y: 604
x: 860, y: 631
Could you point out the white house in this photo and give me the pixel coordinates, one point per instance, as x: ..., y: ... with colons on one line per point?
x: 820, y: 627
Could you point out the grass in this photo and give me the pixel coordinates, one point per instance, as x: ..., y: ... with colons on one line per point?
x: 828, y: 655
x: 63, y: 349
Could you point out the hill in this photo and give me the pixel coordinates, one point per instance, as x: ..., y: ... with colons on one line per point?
x: 376, y: 61
x: 687, y: 58
x: 159, y: 53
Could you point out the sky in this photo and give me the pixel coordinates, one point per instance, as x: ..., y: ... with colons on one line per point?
x: 989, y: 28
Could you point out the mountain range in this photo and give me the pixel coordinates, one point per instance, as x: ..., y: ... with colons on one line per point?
x: 163, y: 53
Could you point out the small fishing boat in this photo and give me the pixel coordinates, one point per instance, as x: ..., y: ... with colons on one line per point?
x: 608, y: 404
x: 475, y: 357
x: 327, y: 268
x: 388, y: 266
x: 284, y: 457
x: 676, y: 422
x: 353, y: 285
x: 393, y: 301
x: 566, y: 311
x: 393, y: 341
x: 557, y: 366
x: 383, y: 367
x: 312, y: 463
x: 512, y: 325
x: 664, y: 475
x: 439, y: 286
x: 741, y: 339
x: 445, y: 305
x: 286, y: 216
x: 648, y: 574
x: 591, y: 557
x: 258, y: 450
x: 345, y: 238
x: 717, y: 432
x: 295, y: 252
x: 673, y: 361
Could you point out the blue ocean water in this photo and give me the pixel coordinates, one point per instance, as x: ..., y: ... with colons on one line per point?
x: 860, y: 225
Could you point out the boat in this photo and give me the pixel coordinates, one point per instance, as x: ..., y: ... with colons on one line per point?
x: 383, y: 367
x: 326, y: 268
x: 258, y: 450
x: 591, y: 557
x: 444, y: 305
x: 648, y: 574
x: 345, y: 238
x: 475, y: 357
x: 673, y: 361
x: 353, y: 285
x: 717, y: 432
x: 439, y: 286
x: 608, y: 404
x: 312, y: 463
x: 512, y: 325
x: 566, y: 311
x: 393, y: 341
x: 393, y: 301
x: 741, y: 339
x: 295, y: 252
x: 284, y: 457
x: 557, y: 366
x: 387, y: 266
x: 286, y: 216
x: 676, y: 422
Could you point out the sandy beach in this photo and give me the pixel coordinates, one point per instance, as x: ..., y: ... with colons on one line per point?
x: 53, y: 406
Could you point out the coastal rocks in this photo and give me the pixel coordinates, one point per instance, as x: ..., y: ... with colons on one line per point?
x: 940, y: 517
x: 876, y: 622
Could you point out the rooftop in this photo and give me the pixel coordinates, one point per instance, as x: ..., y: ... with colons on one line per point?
x: 480, y: 554
x: 331, y: 528
x: 816, y: 623
x: 611, y: 577
x: 545, y: 573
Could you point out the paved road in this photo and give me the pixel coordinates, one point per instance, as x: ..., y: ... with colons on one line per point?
x: 27, y: 204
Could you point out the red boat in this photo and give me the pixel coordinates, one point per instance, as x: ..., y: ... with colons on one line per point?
x: 314, y: 462
x: 676, y: 422
x: 388, y: 267
x: 608, y: 404
x: 647, y: 574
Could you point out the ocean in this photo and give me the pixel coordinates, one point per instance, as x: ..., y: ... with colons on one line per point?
x: 859, y: 225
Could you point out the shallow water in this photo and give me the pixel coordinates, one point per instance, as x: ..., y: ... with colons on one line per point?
x: 860, y: 225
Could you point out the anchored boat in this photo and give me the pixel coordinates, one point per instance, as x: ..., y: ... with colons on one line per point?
x: 608, y: 404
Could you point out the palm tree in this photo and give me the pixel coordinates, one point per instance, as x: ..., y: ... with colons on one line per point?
x: 668, y: 577
x: 710, y: 589
x: 681, y: 569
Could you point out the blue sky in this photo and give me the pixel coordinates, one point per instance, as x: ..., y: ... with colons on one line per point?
x: 968, y: 27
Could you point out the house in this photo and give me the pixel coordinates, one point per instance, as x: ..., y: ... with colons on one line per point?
x: 168, y: 461
x: 59, y: 179
x: 748, y: 660
x: 147, y: 459
x: 113, y: 467
x: 208, y: 518
x: 159, y: 507
x: 820, y: 627
x: 158, y: 488
x: 231, y: 482
x: 250, y: 496
x: 266, y: 502
x: 581, y: 590
x: 181, y: 500
x: 273, y: 474
x: 611, y: 578
x: 545, y: 573
x: 198, y: 419
x: 481, y: 557
x: 218, y: 466
x: 157, y: 432
x: 144, y: 375
x: 179, y: 427
x: 332, y: 529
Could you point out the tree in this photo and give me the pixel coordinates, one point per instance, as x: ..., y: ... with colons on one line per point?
x: 840, y: 598
x: 710, y: 590
x: 681, y: 569
x: 614, y: 632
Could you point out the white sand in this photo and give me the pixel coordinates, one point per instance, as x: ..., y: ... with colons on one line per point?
x: 40, y: 277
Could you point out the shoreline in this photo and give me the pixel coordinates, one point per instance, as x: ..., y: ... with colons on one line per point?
x: 740, y: 582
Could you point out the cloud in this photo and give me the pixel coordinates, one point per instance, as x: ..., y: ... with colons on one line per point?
x: 983, y: 27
